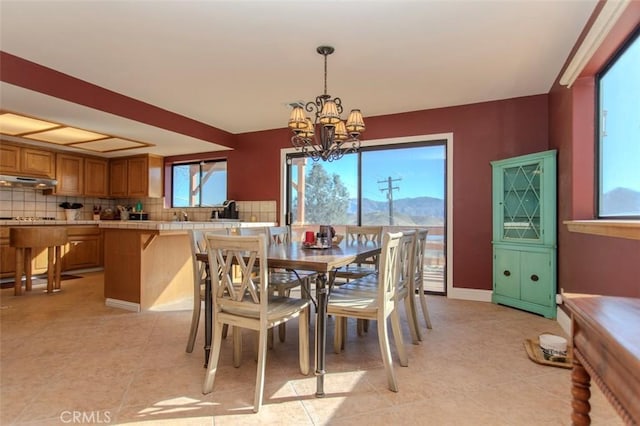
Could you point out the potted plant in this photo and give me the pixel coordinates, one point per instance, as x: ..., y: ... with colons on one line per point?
x: 71, y: 210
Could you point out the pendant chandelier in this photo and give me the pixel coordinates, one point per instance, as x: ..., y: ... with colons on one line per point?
x: 327, y: 137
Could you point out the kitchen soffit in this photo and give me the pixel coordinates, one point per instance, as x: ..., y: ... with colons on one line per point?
x: 12, y: 124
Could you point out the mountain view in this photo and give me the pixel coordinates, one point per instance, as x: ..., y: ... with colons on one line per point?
x: 620, y: 202
x: 406, y: 211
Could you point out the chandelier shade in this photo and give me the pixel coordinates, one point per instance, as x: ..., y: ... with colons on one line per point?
x: 325, y: 137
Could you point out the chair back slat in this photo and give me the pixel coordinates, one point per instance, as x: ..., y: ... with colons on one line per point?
x: 387, y: 274
x: 364, y: 234
x: 279, y: 235
x: 406, y: 259
x: 418, y: 262
x: 238, y: 258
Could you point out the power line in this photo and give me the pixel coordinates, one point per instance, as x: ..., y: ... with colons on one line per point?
x: 389, y: 189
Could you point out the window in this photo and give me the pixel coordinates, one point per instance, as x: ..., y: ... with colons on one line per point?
x: 397, y: 186
x: 201, y: 184
x: 619, y: 134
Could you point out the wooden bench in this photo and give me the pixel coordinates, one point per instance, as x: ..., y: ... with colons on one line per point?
x: 25, y: 239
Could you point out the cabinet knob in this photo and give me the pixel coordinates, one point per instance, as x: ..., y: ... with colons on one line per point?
x: 534, y: 277
x: 506, y: 273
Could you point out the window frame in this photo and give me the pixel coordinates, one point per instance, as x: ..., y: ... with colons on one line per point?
x: 200, y: 163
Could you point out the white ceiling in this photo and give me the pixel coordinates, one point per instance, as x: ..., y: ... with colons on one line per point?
x: 235, y: 64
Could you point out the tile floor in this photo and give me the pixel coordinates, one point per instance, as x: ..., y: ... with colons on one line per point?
x: 68, y: 359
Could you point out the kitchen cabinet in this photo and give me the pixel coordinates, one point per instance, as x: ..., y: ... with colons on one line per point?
x: 84, y: 249
x: 70, y: 175
x: 137, y: 176
x: 118, y: 178
x: 524, y: 232
x: 96, y: 177
x: 27, y: 161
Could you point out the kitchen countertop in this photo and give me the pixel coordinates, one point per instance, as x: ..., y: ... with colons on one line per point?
x: 178, y: 226
x: 140, y: 224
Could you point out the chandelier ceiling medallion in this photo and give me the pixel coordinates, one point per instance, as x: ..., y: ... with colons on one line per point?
x: 327, y: 137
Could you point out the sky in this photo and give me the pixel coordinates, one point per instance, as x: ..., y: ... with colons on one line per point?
x: 415, y: 172
x: 620, y: 98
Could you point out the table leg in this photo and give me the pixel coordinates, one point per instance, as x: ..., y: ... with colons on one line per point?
x: 50, y: 268
x: 17, y: 288
x: 58, y: 268
x: 27, y: 268
x: 208, y: 308
x: 321, y: 332
x: 580, y: 383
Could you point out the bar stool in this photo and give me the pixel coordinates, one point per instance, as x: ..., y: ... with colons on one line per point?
x: 25, y: 239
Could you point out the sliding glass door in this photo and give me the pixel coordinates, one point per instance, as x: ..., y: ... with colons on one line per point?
x: 395, y: 186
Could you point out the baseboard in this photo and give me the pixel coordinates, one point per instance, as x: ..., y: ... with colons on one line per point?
x: 469, y: 294
x: 122, y: 304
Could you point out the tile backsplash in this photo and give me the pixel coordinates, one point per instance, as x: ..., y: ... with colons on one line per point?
x: 28, y: 202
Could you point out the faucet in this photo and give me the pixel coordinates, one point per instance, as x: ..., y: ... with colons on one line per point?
x: 183, y: 216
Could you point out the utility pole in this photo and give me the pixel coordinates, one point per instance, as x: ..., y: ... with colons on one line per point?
x: 390, y: 188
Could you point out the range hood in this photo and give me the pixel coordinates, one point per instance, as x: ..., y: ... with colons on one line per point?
x: 26, y: 182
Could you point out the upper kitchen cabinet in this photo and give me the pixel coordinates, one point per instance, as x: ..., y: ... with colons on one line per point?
x: 70, y: 175
x: 96, y: 177
x: 137, y: 176
x: 27, y: 161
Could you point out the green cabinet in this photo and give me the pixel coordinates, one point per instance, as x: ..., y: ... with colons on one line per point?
x: 524, y: 232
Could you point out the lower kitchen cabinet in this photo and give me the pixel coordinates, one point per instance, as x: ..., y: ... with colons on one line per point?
x: 525, y: 278
x: 84, y: 249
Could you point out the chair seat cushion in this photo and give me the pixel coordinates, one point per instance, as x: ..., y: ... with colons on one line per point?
x: 355, y: 271
x: 361, y: 297
x: 277, y: 308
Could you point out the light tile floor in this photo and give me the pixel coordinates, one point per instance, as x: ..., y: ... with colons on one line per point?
x: 68, y: 359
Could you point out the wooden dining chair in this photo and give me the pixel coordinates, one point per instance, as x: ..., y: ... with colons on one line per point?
x: 406, y: 274
x: 361, y: 234
x: 241, y: 299
x: 404, y: 289
x: 280, y: 281
x: 418, y: 279
x: 198, y: 245
x: 360, y: 300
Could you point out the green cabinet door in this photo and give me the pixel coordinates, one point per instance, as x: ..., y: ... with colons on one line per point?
x: 507, y: 273
x: 535, y: 275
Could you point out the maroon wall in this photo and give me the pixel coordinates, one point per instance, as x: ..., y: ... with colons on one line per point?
x: 588, y: 263
x: 481, y: 133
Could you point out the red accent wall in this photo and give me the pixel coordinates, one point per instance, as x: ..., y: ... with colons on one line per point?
x: 588, y: 263
x: 481, y: 133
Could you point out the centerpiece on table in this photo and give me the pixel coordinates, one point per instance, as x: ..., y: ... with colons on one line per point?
x: 71, y: 210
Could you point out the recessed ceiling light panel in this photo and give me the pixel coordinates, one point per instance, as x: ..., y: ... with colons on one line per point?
x: 66, y: 135
x: 12, y: 124
x: 110, y: 144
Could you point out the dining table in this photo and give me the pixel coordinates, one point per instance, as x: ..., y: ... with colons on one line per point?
x: 297, y: 256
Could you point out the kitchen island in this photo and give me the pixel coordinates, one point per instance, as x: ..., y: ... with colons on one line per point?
x: 147, y: 264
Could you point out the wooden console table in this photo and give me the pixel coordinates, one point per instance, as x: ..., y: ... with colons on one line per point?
x: 606, y: 347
